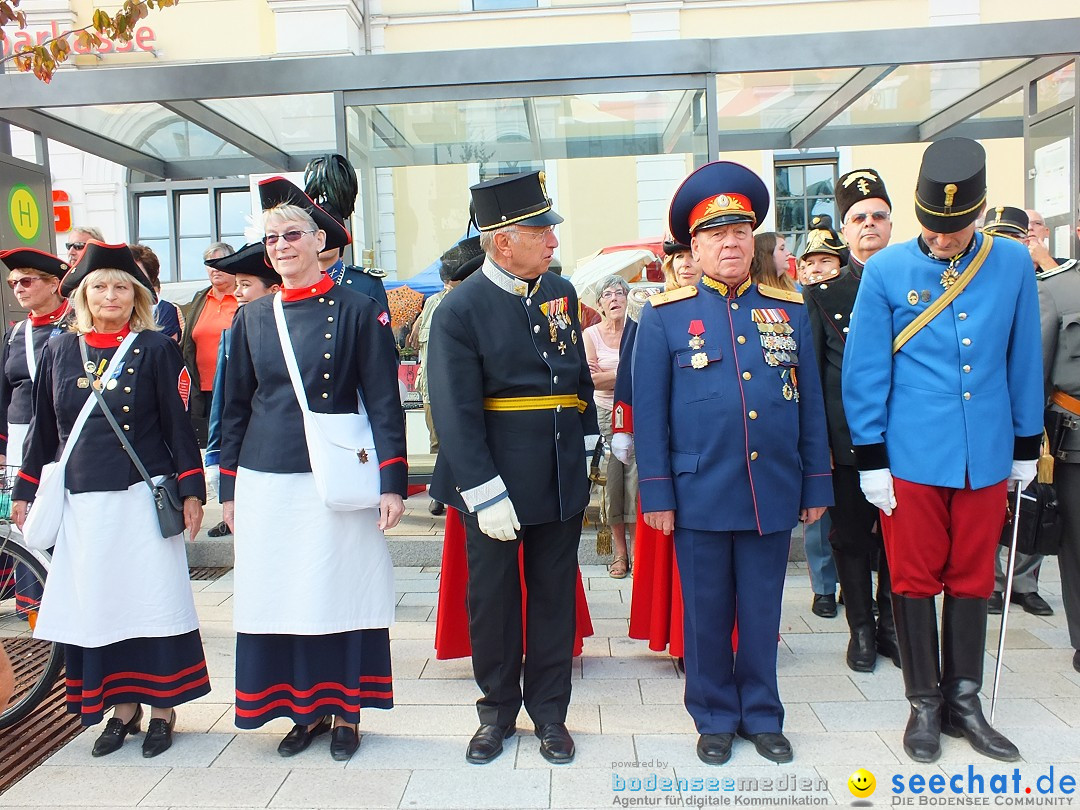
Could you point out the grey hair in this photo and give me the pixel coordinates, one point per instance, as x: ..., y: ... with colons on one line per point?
x: 611, y: 281
x: 218, y: 250
x: 487, y: 238
x: 90, y: 229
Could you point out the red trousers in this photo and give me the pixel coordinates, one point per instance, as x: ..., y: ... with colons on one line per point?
x: 942, y: 538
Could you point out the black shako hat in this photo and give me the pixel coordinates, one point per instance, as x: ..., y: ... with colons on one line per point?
x: 951, y: 189
x: 473, y: 256
x: 249, y: 260
x: 718, y: 193
x: 856, y: 185
x: 275, y: 191
x: 518, y: 199
x: 31, y: 259
x: 1006, y: 221
x: 100, y: 256
x: 825, y: 240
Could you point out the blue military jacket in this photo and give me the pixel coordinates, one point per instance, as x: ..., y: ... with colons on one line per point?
x: 729, y: 425
x: 964, y: 396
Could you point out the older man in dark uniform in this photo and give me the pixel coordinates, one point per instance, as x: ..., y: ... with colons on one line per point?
x: 943, y: 396
x: 864, y: 207
x: 732, y: 453
x: 511, y: 398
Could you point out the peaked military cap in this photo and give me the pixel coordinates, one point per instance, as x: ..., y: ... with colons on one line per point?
x: 951, y: 189
x: 473, y: 257
x: 275, y: 191
x: 718, y: 193
x: 31, y: 259
x: 518, y: 199
x: 1006, y: 221
x: 250, y: 260
x: 856, y: 185
x: 100, y: 256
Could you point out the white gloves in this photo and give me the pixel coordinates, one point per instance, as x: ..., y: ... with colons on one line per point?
x: 622, y: 447
x: 499, y: 520
x: 1024, y: 472
x: 877, y: 486
x: 213, y: 478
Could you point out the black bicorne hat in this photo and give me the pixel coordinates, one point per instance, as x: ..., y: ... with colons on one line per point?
x: 473, y: 257
x: 951, y: 189
x: 250, y: 260
x: 100, y: 256
x: 856, y: 185
x: 1006, y: 221
x: 519, y: 199
x: 31, y: 259
x: 672, y: 247
x: 275, y: 191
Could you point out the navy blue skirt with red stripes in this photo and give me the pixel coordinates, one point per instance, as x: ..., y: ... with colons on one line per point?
x: 160, y: 672
x: 308, y: 677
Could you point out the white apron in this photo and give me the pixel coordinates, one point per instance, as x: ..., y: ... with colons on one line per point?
x: 113, y: 576
x: 16, y: 437
x: 302, y: 569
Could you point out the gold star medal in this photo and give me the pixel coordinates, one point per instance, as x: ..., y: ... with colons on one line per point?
x: 699, y: 360
x: 949, y: 276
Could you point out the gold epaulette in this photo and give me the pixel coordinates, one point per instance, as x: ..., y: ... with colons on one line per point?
x: 678, y: 294
x: 783, y: 295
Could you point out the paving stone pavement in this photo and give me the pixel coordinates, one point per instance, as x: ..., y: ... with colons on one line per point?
x: 631, y: 730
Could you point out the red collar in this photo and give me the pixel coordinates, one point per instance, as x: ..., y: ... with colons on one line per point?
x: 107, y: 340
x: 324, y: 285
x: 52, y: 317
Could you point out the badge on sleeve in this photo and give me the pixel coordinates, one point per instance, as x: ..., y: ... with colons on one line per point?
x: 384, y: 319
x: 183, y: 387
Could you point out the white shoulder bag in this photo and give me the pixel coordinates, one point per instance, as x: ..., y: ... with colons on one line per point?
x: 341, y: 446
x: 42, y: 525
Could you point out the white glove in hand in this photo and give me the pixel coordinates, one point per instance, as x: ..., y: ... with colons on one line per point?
x: 1023, y: 471
x: 499, y: 520
x: 622, y: 447
x: 213, y: 478
x: 877, y: 486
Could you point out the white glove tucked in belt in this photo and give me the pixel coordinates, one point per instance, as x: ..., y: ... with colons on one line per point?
x: 213, y: 478
x: 877, y: 486
x: 622, y: 447
x: 1023, y: 471
x: 499, y: 520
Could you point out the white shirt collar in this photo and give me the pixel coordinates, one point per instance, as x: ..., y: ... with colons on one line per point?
x: 510, y: 283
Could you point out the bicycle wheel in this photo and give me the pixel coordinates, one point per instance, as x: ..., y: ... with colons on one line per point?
x: 36, y: 663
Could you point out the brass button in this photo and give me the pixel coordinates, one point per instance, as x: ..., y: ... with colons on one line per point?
x: 824, y: 286
x: 545, y: 355
x: 753, y: 456
x: 330, y: 319
x: 127, y: 390
x: 326, y: 376
x: 536, y: 328
x: 130, y: 370
x: 325, y: 395
x: 845, y: 330
x: 327, y: 355
x: 746, y: 375
x: 734, y: 305
x: 321, y: 300
x: 967, y: 395
x: 752, y: 414
x: 313, y: 290
x: 327, y: 336
x: 966, y: 341
x: 558, y: 409
x: 528, y: 302
x: 331, y: 301
x: 127, y: 408
x: 839, y: 316
x: 741, y: 339
x: 967, y: 369
x: 555, y: 379
x: 962, y: 316
x: 127, y: 427
x: 134, y: 351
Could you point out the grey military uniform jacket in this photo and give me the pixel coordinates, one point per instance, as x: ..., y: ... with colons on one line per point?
x: 1059, y: 311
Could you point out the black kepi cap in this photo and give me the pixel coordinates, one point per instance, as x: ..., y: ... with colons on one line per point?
x: 517, y: 199
x: 951, y: 189
x: 31, y: 259
x: 718, y: 193
x: 1006, y: 221
x: 856, y: 185
x: 100, y: 256
x: 275, y: 191
x: 250, y: 260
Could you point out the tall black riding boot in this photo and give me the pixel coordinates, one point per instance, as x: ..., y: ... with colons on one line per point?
x: 886, y: 626
x: 917, y: 638
x: 853, y: 571
x: 963, y: 631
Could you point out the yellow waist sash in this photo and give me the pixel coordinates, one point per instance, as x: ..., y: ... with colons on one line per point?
x: 534, y: 403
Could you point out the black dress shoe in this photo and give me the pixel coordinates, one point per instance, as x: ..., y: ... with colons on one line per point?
x: 221, y: 530
x: 343, y: 743
x: 115, y: 731
x: 824, y: 605
x: 714, y: 749
x: 158, y: 737
x: 772, y: 745
x: 436, y: 508
x: 556, y: 745
x: 995, y: 603
x: 1032, y: 603
x: 300, y: 738
x: 487, y: 743
x: 1076, y: 660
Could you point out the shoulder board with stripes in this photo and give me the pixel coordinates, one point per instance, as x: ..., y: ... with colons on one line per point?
x: 679, y: 294
x: 782, y: 295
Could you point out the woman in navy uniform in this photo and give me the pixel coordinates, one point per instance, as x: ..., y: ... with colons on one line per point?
x: 35, y: 279
x: 732, y: 453
x: 511, y: 397
x: 314, y: 593
x: 118, y: 595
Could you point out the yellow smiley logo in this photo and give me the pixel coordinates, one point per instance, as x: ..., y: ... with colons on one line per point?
x: 861, y: 783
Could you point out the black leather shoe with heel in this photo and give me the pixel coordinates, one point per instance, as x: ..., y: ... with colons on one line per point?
x: 112, y: 738
x: 158, y: 737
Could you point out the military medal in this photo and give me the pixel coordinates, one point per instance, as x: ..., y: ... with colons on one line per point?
x: 82, y: 382
x: 562, y: 347
x: 699, y: 360
x: 573, y: 337
x: 775, y: 334
x: 362, y: 455
x: 90, y: 366
x: 789, y: 392
x: 924, y: 296
x: 696, y: 330
x: 912, y: 297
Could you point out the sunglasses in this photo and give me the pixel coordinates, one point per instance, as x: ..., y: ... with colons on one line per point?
x: 877, y: 216
x: 271, y: 239
x: 75, y: 245
x: 26, y: 281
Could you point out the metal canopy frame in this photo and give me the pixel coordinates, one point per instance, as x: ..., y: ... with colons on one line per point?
x: 529, y: 73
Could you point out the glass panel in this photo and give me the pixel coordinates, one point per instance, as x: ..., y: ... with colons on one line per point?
x: 495, y: 5
x: 1057, y: 87
x: 1011, y: 107
x: 191, y: 261
x: 791, y: 215
x: 234, y: 211
x: 823, y: 205
x: 161, y: 250
x: 194, y: 214
x: 776, y: 100
x: 789, y: 181
x: 153, y: 217
x: 292, y: 123
x: 819, y: 178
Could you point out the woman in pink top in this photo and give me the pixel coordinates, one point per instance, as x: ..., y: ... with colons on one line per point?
x: 602, y: 350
